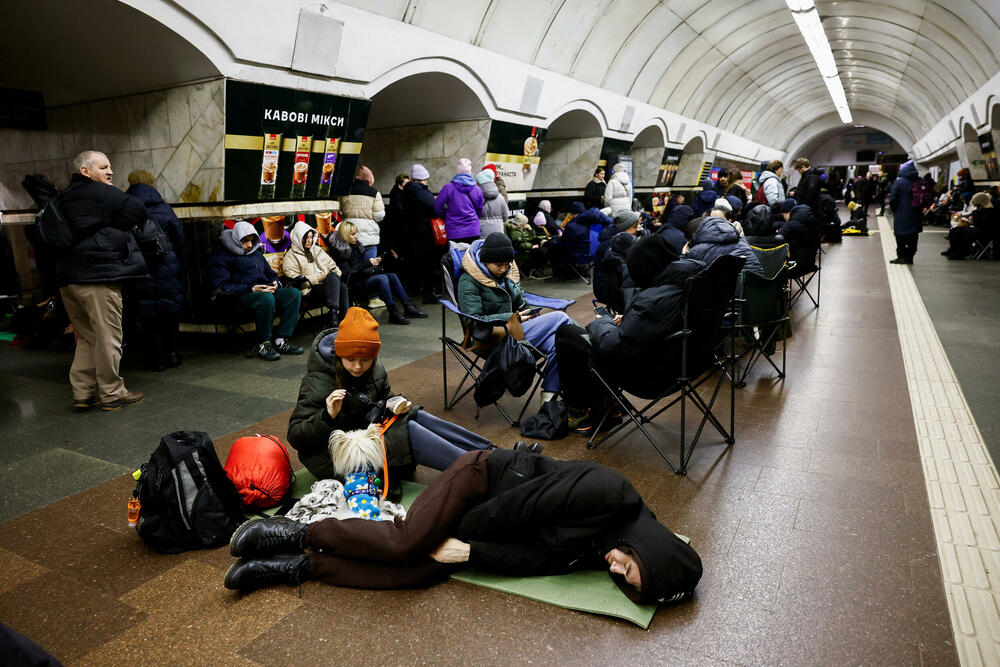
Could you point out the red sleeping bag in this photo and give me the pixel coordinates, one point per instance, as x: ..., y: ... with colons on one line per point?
x: 261, y: 470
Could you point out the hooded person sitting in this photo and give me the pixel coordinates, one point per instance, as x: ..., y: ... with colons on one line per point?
x: 630, y: 349
x: 759, y: 228
x: 574, y: 244
x: 673, y: 229
x: 609, y: 267
x: 801, y: 231
x: 240, y: 269
x: 305, y: 260
x: 714, y: 237
x: 490, y: 289
x: 510, y: 513
x: 545, y: 220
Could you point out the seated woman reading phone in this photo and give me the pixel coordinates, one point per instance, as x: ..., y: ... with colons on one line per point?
x: 490, y: 289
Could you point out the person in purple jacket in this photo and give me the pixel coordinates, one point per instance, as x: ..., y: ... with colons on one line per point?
x: 460, y: 203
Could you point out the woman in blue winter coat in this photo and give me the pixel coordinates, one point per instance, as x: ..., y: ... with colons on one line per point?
x: 156, y: 301
x: 716, y: 237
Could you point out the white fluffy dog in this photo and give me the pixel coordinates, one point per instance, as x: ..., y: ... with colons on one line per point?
x: 355, y: 451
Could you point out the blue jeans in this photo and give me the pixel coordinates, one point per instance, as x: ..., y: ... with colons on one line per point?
x: 436, y: 443
x: 371, y: 251
x: 388, y: 285
x: 541, y: 332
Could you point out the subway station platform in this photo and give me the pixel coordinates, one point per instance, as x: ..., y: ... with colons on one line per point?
x: 854, y: 520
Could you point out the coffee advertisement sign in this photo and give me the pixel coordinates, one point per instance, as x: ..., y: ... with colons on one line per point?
x: 668, y: 167
x: 516, y: 151
x: 290, y: 144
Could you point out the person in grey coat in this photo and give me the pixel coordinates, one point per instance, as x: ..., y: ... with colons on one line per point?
x: 906, y: 220
x: 495, y: 210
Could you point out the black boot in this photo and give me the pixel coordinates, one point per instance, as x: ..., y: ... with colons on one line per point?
x: 412, y: 311
x: 396, y: 317
x: 265, y: 537
x: 249, y: 574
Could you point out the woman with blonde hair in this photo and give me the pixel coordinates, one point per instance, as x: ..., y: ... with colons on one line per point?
x: 365, y: 274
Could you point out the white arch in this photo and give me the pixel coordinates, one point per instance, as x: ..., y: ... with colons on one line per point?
x: 439, y: 65
x: 581, y: 105
x: 659, y: 124
x: 832, y: 121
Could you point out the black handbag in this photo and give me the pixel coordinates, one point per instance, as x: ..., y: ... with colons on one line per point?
x: 551, y: 422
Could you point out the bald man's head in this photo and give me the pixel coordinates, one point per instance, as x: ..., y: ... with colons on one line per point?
x: 95, y: 165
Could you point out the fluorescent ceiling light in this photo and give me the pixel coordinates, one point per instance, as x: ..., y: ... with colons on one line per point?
x: 807, y: 19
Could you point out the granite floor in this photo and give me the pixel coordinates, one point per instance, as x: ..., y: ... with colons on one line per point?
x: 814, y: 528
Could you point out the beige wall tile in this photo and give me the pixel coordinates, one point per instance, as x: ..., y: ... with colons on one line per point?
x: 178, y: 115
x: 138, y: 125
x: 158, y: 119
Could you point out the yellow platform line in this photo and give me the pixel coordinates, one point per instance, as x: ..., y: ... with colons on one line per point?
x: 963, y: 487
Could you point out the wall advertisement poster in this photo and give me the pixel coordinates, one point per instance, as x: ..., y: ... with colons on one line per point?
x: 516, y: 151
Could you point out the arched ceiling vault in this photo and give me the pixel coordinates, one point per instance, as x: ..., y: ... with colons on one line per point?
x: 740, y: 66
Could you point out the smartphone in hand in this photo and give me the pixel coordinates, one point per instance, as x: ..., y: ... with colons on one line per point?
x: 601, y: 311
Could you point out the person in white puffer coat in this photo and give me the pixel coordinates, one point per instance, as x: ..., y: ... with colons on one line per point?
x: 495, y: 209
x: 618, y: 194
x: 364, y: 207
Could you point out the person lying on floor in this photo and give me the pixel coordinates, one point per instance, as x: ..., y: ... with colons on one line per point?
x: 629, y: 349
x: 512, y: 513
x: 490, y: 289
x: 345, y: 388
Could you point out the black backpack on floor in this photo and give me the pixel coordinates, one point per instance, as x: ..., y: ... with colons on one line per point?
x: 186, y: 499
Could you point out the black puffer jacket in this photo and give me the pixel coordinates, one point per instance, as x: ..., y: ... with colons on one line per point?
x: 801, y: 231
x: 611, y: 272
x: 542, y: 516
x: 310, y: 425
x: 759, y: 228
x: 673, y: 229
x: 418, y: 209
x: 807, y: 191
x: 634, y: 352
x: 160, y: 295
x: 716, y: 237
x: 102, y: 218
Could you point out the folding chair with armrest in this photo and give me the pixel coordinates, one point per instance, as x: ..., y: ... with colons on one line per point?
x: 477, y: 336
x: 803, y: 275
x: 708, y: 297
x: 761, y: 317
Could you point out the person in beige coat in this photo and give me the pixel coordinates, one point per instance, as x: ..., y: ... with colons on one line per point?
x: 309, y: 266
x: 364, y: 207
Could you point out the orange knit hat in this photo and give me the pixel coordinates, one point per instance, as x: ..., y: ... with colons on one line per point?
x: 358, y: 335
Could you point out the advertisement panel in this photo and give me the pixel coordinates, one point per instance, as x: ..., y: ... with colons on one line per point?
x: 989, y: 156
x: 290, y: 144
x: 668, y: 167
x: 516, y: 151
x: 612, y: 152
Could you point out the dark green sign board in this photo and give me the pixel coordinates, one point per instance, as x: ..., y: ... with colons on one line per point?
x: 516, y: 151
x: 290, y: 144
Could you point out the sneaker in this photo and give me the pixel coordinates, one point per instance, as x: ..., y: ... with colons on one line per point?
x: 84, y: 404
x: 288, y: 348
x: 267, y: 352
x: 579, y: 421
x: 376, y: 303
x: 131, y: 398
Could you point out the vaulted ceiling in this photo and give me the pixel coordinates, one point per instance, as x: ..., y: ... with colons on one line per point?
x: 740, y: 65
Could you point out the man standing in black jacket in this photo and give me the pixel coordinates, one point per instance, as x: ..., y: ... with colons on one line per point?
x: 509, y: 512
x: 105, y: 253
x: 807, y: 191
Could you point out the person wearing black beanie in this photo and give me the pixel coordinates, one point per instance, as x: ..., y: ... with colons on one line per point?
x: 496, y: 249
x: 631, y: 349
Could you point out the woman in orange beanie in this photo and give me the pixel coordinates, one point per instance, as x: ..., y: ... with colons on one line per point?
x: 346, y: 388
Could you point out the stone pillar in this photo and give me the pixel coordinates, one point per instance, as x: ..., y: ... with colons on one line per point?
x: 568, y: 163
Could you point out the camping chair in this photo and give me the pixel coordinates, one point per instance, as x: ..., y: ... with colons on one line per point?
x: 801, y: 277
x: 707, y: 299
x: 761, y: 317
x: 983, y: 248
x: 580, y: 261
x: 477, y: 336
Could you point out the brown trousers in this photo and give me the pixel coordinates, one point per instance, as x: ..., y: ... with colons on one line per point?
x: 95, y: 311
x: 359, y: 553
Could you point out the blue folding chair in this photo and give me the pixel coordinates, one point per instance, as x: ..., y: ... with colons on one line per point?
x: 478, y: 339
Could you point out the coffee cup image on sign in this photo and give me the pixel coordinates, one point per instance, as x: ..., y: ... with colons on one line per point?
x: 530, y: 146
x: 269, y: 172
x: 327, y: 172
x: 299, y: 172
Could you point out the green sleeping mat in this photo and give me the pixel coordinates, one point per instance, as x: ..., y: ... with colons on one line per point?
x: 588, y: 590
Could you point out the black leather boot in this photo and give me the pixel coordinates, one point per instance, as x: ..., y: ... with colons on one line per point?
x: 395, y: 316
x: 249, y: 574
x: 266, y: 537
x: 412, y: 311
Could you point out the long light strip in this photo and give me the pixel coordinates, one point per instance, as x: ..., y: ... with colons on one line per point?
x: 807, y: 19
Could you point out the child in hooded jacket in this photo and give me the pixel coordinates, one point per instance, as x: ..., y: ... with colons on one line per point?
x: 306, y: 260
